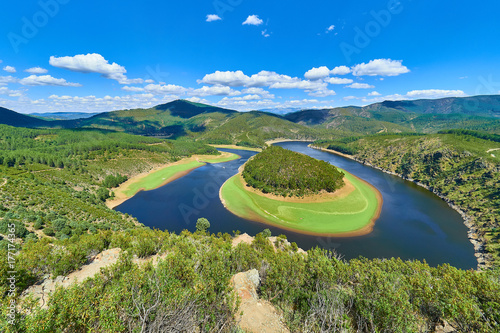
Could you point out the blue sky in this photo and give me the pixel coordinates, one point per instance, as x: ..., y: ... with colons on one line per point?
x: 70, y: 55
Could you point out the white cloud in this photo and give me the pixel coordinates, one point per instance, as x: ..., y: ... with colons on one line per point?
x: 322, y: 93
x: 338, y: 80
x: 9, y: 69
x: 348, y: 98
x: 94, y: 63
x: 8, y: 79
x: 149, y: 81
x: 197, y: 100
x: 46, y: 80
x: 330, y: 28
x: 213, y: 17
x: 418, y: 94
x: 382, y: 67
x: 133, y: 89
x: 374, y: 93
x: 317, y: 73
x: 258, y: 91
x: 265, y: 33
x: 36, y: 70
x: 253, y: 20
x: 169, y: 89
x: 340, y: 70
x: 216, y: 90
x: 360, y: 86
x: 434, y: 93
x: 11, y: 93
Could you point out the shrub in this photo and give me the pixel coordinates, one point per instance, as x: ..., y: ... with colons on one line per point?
x: 202, y: 224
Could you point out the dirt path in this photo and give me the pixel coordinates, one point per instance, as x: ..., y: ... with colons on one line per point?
x: 494, y: 149
x: 4, y: 182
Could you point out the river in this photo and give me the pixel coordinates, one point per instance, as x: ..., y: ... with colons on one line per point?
x: 414, y: 223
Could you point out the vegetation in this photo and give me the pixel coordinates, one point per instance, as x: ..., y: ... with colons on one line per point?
x: 457, y: 166
x: 189, y: 289
x: 54, y: 182
x: 283, y: 172
x: 350, y: 214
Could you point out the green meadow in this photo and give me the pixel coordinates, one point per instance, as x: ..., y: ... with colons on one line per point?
x: 351, y: 214
x: 162, y: 176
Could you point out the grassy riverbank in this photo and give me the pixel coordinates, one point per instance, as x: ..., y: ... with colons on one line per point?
x: 350, y: 212
x: 164, y: 175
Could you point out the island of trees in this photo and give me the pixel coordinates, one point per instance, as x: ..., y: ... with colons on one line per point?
x: 286, y: 173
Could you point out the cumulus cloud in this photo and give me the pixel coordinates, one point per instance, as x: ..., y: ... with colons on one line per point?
x: 213, y: 17
x: 338, y: 80
x: 340, y: 70
x: 11, y: 93
x: 322, y: 93
x: 36, y: 70
x: 435, y: 93
x: 168, y: 89
x: 382, y: 67
x: 46, y: 80
x: 374, y: 93
x: 317, y: 73
x: 9, y: 69
x: 330, y: 28
x: 360, y: 86
x: 133, y: 89
x: 258, y: 91
x: 217, y: 90
x: 8, y: 79
x: 418, y: 94
x: 253, y: 20
x: 94, y: 63
x: 265, y: 33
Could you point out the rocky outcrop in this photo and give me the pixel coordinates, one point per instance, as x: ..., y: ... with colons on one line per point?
x: 255, y: 315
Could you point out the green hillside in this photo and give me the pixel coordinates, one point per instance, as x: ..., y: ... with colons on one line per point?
x: 461, y: 166
x: 12, y: 118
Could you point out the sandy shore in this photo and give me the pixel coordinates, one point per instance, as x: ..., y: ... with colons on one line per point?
x: 236, y: 147
x: 121, y: 197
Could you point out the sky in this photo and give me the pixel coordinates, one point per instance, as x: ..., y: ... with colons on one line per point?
x: 95, y: 56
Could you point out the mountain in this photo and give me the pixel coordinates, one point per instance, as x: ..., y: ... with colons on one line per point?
x: 484, y: 106
x: 63, y: 115
x: 426, y: 116
x: 12, y: 118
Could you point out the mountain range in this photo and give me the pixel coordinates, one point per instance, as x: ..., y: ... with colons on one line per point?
x: 182, y: 118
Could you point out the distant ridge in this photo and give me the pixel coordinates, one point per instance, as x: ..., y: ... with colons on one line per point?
x: 186, y: 109
x: 12, y: 118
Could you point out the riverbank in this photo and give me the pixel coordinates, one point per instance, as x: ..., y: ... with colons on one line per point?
x: 482, y: 256
x: 236, y: 147
x: 350, y: 212
x: 163, y: 175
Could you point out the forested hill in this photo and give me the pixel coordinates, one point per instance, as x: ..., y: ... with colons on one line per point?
x: 12, y: 118
x: 485, y: 106
x: 286, y: 173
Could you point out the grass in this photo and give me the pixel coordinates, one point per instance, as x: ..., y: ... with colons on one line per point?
x: 164, y: 175
x: 344, y: 216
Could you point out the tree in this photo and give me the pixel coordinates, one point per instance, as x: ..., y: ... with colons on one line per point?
x: 202, y: 224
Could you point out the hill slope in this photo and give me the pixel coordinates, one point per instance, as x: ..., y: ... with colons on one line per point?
x: 12, y: 118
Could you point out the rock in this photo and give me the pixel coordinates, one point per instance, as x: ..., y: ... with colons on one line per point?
x: 255, y: 315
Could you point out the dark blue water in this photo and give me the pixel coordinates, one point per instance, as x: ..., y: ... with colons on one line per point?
x: 414, y: 223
